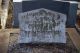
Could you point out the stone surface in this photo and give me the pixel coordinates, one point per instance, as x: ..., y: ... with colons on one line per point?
x: 67, y: 8
x: 42, y: 26
x: 15, y: 47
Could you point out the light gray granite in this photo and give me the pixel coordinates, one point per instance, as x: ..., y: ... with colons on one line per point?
x: 42, y: 26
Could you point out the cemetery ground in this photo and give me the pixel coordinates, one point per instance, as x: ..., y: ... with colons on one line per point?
x: 9, y: 37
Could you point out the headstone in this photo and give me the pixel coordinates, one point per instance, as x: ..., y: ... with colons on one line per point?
x: 42, y: 26
x: 69, y: 8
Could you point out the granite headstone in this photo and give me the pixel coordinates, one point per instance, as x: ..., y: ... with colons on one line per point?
x: 42, y: 26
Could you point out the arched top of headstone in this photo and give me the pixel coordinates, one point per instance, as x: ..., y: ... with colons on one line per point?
x: 42, y: 11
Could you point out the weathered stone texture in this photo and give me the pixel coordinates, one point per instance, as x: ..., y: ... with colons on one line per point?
x: 42, y: 26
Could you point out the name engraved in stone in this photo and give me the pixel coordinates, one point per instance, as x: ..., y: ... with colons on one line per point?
x: 42, y: 25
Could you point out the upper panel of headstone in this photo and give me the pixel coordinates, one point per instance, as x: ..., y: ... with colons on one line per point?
x: 41, y: 10
x: 41, y: 13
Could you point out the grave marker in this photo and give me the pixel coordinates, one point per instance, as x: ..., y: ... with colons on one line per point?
x: 42, y: 26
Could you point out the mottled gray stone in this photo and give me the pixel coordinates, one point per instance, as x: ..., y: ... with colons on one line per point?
x: 42, y: 26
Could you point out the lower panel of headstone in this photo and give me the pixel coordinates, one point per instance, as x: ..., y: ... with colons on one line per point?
x: 41, y: 37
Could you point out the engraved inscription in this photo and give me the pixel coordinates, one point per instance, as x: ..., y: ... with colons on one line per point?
x: 42, y: 25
